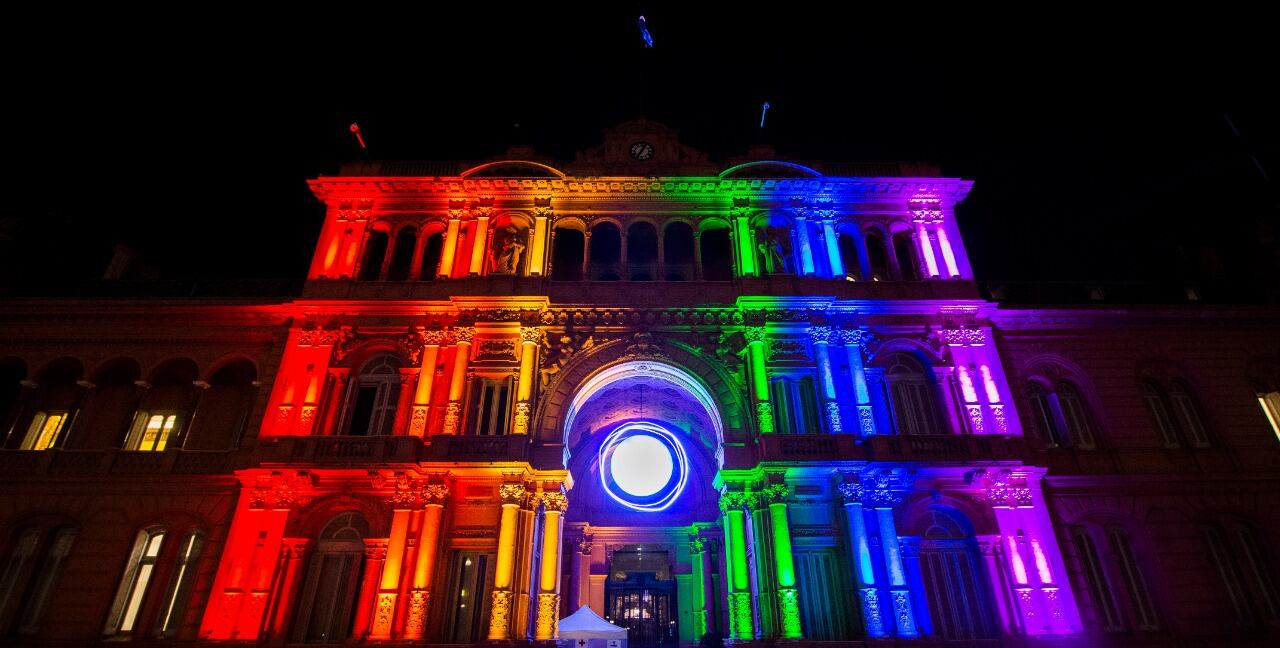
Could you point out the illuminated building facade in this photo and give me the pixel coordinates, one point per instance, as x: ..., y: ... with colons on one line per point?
x: 758, y: 401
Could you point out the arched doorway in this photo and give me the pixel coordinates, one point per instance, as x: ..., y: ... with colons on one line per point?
x: 959, y: 598
x: 643, y: 442
x: 327, y: 604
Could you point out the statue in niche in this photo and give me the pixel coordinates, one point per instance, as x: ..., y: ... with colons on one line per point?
x: 773, y: 247
x: 509, y: 248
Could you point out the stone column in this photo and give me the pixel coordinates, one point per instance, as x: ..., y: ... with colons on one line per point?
x: 458, y: 379
x: 821, y: 336
x: 513, y: 495
x: 426, y: 379
x: 833, y: 249
x: 554, y: 505
x: 479, y: 244
x: 586, y: 255
x: 384, y: 607
x: 864, y: 573
x: 898, y: 594
x: 375, y: 554
x: 741, y: 618
x: 788, y: 598
x: 802, y: 236
x: 582, y: 573
x: 697, y: 255
x: 852, y: 341
x: 538, y: 252
x: 529, y: 338
x: 924, y: 253
x: 759, y: 377
x: 702, y: 580
x: 433, y: 499
x: 891, y: 255
x: 864, y: 260
x: 448, y: 251
x: 295, y: 553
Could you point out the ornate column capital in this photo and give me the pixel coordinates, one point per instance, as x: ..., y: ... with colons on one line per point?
x: 850, y: 492
x: 512, y: 494
x: 530, y: 335
x: 734, y: 501
x: 464, y: 334
x: 963, y: 336
x: 821, y: 334
x: 774, y: 494
x: 925, y: 210
x: 754, y: 333
x: 850, y: 337
x: 433, y: 338
x: 555, y: 501
x: 882, y: 489
x: 435, y: 494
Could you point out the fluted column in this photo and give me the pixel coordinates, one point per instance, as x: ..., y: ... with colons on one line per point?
x: 821, y: 336
x: 784, y: 566
x: 426, y: 378
x: 294, y: 554
x: 375, y: 554
x: 759, y: 377
x: 554, y: 505
x: 513, y: 496
x: 433, y: 498
x: 864, y: 259
x: 529, y: 338
x: 741, y: 619
x: 458, y: 379
x: 586, y: 255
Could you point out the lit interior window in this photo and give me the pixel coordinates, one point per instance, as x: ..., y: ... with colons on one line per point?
x: 156, y: 435
x: 1270, y: 403
x: 44, y: 430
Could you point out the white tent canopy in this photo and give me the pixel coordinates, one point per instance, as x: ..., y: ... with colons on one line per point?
x: 586, y: 624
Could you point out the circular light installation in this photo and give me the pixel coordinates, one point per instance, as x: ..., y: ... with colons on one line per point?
x: 643, y: 466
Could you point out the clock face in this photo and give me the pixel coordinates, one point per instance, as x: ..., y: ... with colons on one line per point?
x: 642, y: 150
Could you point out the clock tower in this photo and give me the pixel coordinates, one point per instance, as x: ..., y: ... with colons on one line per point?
x: 639, y: 148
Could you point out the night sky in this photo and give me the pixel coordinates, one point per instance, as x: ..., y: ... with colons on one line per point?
x: 1098, y: 144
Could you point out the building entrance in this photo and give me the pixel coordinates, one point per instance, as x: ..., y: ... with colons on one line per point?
x: 640, y: 595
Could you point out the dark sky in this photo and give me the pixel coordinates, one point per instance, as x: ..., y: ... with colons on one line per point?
x: 1098, y: 142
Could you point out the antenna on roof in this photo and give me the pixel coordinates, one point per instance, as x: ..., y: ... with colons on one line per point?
x: 355, y: 129
x: 764, y: 111
x: 644, y: 32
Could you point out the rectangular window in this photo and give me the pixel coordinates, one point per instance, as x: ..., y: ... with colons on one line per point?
x: 1255, y: 565
x: 490, y: 406
x: 46, y: 580
x: 152, y: 431
x: 1190, y: 418
x: 1076, y: 419
x: 175, y: 599
x: 468, y: 602
x: 45, y: 430
x: 133, y: 586
x: 1230, y: 576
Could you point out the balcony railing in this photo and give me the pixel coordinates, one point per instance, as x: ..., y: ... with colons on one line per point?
x: 810, y: 447
x: 339, y: 450
x: 479, y: 448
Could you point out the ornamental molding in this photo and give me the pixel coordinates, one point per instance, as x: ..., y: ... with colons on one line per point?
x: 1003, y: 488
x: 554, y: 501
x: 281, y: 490
x: 512, y: 494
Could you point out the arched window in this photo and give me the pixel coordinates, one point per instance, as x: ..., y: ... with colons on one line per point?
x: 52, y: 408
x: 327, y: 603
x: 431, y: 257
x: 371, y: 398
x: 606, y: 253
x: 566, y: 258
x: 904, y: 250
x: 1157, y: 405
x: 174, y: 604
x: 1246, y: 573
x: 375, y: 250
x: 911, y: 396
x: 677, y: 244
x: 165, y: 409
x: 876, y: 254
x: 1061, y: 415
x: 716, y: 254
x: 45, y: 580
x: 795, y: 405
x: 224, y: 408
x: 1100, y: 589
x: 953, y: 577
x: 17, y: 570
x: 1144, y: 612
x: 1188, y: 414
x: 642, y: 252
x: 1175, y: 414
x: 137, y: 578
x: 849, y: 256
